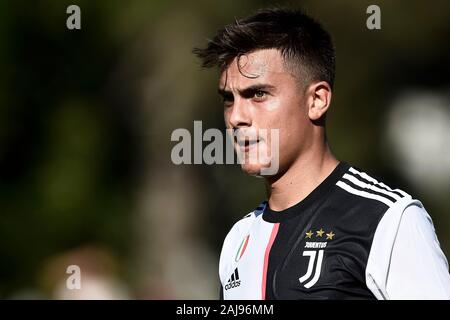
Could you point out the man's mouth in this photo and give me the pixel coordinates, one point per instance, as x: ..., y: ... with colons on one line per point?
x: 246, y: 144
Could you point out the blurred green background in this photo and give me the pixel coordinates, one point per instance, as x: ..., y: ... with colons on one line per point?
x: 86, y: 117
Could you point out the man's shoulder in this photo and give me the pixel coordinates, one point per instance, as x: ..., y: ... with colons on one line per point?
x: 250, y: 217
x: 359, y: 201
x: 242, y: 226
x: 256, y: 212
x: 357, y: 188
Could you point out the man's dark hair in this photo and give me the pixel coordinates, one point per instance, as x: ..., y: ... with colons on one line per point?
x: 306, y: 48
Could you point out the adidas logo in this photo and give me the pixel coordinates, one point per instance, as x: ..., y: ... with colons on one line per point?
x: 234, y: 281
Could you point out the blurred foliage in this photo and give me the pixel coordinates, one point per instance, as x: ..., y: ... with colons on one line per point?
x: 84, y: 114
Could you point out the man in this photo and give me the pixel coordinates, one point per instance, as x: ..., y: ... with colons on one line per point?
x: 328, y: 230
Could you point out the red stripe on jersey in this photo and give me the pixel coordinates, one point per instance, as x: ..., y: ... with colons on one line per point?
x: 266, y: 259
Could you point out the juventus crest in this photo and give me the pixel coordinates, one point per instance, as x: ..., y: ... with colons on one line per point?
x: 315, y: 252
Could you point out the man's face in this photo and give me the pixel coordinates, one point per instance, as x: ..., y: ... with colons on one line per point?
x: 260, y: 93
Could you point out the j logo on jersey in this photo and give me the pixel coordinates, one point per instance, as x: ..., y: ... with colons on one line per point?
x: 318, y: 242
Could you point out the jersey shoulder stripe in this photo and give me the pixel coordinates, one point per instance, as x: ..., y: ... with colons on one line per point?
x: 369, y: 179
x: 361, y: 184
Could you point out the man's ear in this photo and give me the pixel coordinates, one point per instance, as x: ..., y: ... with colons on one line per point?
x: 319, y: 100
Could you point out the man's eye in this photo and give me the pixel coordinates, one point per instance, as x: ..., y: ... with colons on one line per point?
x: 227, y: 101
x: 259, y: 94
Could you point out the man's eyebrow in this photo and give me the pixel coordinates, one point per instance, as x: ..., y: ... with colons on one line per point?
x: 224, y: 92
x: 250, y: 89
x: 256, y: 87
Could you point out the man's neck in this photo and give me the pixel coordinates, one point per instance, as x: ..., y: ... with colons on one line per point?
x: 300, y: 179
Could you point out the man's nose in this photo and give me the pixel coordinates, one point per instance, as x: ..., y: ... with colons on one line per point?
x: 240, y: 114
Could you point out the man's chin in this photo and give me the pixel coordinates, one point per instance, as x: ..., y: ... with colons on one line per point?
x: 255, y: 170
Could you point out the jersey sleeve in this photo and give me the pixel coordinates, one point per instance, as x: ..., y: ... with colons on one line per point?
x: 418, y: 268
